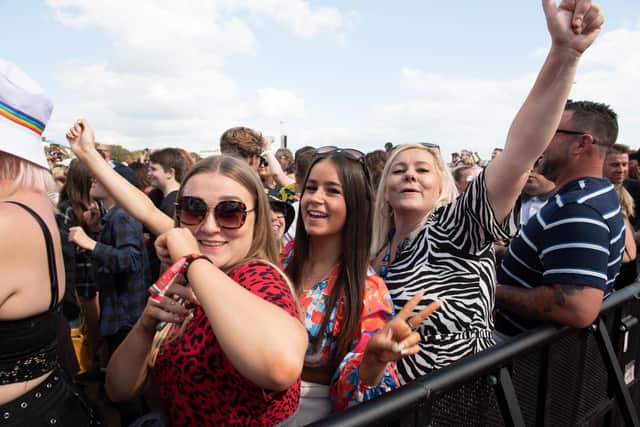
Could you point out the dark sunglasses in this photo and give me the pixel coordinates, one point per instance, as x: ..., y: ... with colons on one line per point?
x: 351, y: 153
x: 263, y: 162
x: 229, y: 214
x: 579, y: 132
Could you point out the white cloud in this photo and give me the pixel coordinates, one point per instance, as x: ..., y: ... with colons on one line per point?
x: 476, y: 114
x: 163, y: 83
x: 279, y: 104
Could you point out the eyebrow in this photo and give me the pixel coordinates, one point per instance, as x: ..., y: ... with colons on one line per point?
x: 333, y: 183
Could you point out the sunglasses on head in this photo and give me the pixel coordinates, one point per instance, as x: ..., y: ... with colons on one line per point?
x: 351, y: 153
x: 229, y: 214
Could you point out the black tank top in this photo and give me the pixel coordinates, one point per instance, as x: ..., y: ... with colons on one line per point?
x: 29, y: 345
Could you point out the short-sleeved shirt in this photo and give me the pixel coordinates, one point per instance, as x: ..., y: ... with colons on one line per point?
x: 577, y: 238
x: 199, y: 385
x: 451, y: 259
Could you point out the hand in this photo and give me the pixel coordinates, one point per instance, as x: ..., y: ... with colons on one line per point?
x: 81, y: 138
x: 168, y: 309
x: 175, y: 243
x: 266, y: 144
x: 574, y: 24
x: 92, y: 217
x: 80, y: 238
x: 396, y: 340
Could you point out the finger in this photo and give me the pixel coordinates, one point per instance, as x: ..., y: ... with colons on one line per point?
x: 161, y: 315
x: 412, y: 340
x: 409, y: 306
x: 549, y: 7
x: 593, y: 20
x: 581, y: 8
x: 180, y: 291
x: 424, y: 313
x: 170, y: 305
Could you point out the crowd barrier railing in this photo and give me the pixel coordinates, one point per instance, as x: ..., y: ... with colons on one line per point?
x: 549, y: 376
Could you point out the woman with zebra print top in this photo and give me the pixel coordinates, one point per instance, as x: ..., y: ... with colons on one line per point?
x: 427, y: 240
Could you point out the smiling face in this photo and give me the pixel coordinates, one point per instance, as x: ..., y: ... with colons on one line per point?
x: 323, y: 206
x: 225, y: 247
x: 277, y: 221
x: 158, y: 176
x: 413, y: 183
x: 616, y: 167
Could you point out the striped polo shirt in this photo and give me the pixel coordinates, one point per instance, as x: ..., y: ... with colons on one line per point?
x: 576, y: 238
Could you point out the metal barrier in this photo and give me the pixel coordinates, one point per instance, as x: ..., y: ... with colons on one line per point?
x: 549, y: 376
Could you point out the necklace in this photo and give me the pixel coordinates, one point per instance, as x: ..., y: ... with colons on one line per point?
x: 384, y: 264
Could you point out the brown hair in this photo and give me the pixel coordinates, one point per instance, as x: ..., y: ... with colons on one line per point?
x: 241, y: 141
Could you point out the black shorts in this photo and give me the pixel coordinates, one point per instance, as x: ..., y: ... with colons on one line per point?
x: 54, y: 402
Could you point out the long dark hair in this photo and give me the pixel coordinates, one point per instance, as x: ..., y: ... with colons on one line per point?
x: 354, y: 254
x: 76, y: 189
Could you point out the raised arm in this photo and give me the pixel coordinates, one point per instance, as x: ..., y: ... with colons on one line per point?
x: 132, y: 200
x: 573, y: 26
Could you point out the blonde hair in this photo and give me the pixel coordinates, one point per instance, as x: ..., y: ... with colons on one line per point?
x: 626, y: 201
x: 383, y: 220
x: 17, y: 173
x: 263, y: 245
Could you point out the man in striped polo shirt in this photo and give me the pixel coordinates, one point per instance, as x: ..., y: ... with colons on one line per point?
x: 566, y: 258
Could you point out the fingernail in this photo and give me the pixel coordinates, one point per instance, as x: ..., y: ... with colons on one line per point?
x: 404, y: 352
x: 395, y: 347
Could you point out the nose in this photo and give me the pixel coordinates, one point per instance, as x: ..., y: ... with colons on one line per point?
x: 410, y: 175
x: 209, y: 224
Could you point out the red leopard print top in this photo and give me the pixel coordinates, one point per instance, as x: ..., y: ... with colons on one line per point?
x: 199, y: 386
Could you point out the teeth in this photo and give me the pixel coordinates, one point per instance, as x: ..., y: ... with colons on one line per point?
x: 317, y: 214
x: 214, y: 244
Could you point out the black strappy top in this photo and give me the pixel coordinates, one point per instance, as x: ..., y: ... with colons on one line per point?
x: 29, y: 346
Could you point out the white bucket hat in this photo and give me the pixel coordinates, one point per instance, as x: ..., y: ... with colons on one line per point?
x: 24, y: 112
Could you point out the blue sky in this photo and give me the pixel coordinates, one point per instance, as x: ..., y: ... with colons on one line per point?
x: 350, y: 73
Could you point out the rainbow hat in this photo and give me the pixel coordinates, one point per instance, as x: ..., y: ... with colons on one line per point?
x: 24, y: 112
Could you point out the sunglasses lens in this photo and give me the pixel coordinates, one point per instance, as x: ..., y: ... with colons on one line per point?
x: 354, y: 154
x: 230, y: 214
x: 327, y: 149
x: 191, y: 210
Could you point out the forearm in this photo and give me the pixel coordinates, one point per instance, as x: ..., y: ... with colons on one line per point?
x: 538, y: 118
x: 130, y: 198
x: 274, y: 167
x: 127, y: 369
x: 571, y: 305
x: 265, y: 343
x: 531, y: 130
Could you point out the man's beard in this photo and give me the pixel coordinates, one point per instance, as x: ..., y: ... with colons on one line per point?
x: 550, y: 168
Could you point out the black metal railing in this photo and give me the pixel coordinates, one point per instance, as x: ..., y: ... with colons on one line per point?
x: 549, y: 376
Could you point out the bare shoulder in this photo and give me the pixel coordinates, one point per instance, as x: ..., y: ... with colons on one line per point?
x: 23, y: 257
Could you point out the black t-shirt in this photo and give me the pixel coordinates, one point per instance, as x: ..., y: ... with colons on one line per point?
x: 633, y: 187
x: 166, y: 205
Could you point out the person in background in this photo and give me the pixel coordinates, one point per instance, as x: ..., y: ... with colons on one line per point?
x: 166, y: 170
x: 34, y: 390
x: 244, y: 143
x: 375, y: 161
x: 78, y: 209
x: 616, y: 168
x: 282, y: 216
x: 285, y: 158
x: 565, y: 260
x: 463, y: 175
x: 210, y: 368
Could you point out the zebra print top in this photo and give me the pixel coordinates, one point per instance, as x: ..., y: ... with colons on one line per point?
x: 451, y: 258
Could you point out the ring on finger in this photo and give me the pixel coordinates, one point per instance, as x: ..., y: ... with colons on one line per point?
x: 410, y: 325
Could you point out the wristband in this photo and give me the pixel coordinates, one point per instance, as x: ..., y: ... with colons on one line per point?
x: 189, y: 259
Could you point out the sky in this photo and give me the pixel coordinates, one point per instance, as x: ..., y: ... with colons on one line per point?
x: 352, y: 73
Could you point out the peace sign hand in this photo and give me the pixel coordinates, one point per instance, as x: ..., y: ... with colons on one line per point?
x: 397, y: 339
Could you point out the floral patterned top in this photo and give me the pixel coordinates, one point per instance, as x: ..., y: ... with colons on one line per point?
x: 346, y: 388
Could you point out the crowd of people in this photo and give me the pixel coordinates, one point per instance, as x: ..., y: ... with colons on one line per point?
x: 289, y: 286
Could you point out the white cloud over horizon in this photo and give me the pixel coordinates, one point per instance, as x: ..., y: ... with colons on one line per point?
x: 164, y: 81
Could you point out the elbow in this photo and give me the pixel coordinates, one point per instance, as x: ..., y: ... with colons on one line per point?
x: 286, y: 368
x: 116, y: 391
x: 581, y: 319
x: 284, y: 373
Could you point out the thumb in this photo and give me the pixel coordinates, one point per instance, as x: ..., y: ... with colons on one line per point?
x: 549, y: 7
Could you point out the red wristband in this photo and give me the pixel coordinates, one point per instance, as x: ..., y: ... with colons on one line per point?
x: 189, y: 259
